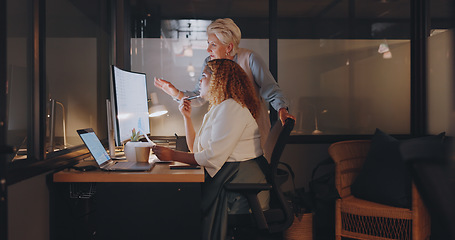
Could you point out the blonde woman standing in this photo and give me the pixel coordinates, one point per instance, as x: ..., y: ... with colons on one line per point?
x: 223, y: 43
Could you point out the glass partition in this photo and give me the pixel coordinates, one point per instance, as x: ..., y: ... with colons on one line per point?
x: 341, y: 64
x: 77, y: 70
x: 168, y: 44
x: 441, y: 74
x: 18, y: 37
x: 171, y: 59
x: 344, y: 86
x: 345, y: 66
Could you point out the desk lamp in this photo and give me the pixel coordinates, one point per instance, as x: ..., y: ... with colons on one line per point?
x: 52, y: 117
x: 385, y: 50
x: 155, y: 108
x: 316, y: 129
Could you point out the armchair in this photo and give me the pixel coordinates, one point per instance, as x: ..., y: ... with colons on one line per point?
x: 361, y: 219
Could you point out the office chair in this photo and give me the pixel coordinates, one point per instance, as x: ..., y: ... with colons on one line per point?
x: 280, y: 216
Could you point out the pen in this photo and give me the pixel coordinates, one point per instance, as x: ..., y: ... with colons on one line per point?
x: 193, y: 97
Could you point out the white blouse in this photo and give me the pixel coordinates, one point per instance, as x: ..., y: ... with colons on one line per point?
x: 229, y: 133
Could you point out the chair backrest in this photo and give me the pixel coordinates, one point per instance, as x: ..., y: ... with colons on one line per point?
x: 271, y: 140
x: 349, y: 157
x: 279, y: 134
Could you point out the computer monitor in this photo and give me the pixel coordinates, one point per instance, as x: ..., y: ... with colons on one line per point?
x: 16, y: 107
x: 129, y: 104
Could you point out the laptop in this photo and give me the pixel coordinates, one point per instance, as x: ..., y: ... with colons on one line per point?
x: 102, y: 158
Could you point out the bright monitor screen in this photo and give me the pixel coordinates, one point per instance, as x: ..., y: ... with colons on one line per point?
x: 129, y: 104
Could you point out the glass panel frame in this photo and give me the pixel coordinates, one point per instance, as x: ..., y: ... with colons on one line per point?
x: 177, y: 50
x: 440, y: 62
x: 18, y: 76
x: 78, y: 58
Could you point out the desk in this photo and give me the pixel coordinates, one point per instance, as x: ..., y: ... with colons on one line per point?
x: 159, y: 173
x: 159, y: 204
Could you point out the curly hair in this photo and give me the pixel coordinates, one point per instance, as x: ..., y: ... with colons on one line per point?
x: 228, y: 80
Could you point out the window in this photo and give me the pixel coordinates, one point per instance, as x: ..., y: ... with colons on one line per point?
x: 440, y: 62
x: 171, y: 43
x: 176, y: 56
x: 345, y: 65
x: 77, y: 71
x: 76, y: 75
x: 331, y: 59
x: 341, y: 64
x: 18, y: 76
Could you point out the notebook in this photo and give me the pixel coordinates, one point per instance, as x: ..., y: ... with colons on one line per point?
x: 103, y: 159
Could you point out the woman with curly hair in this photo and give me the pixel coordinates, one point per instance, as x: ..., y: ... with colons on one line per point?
x: 227, y: 144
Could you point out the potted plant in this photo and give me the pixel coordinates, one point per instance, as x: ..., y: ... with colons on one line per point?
x: 130, y: 147
x: 302, y: 227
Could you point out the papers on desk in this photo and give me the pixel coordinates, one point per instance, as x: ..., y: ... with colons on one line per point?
x: 154, y: 158
x: 173, y: 165
x: 179, y: 165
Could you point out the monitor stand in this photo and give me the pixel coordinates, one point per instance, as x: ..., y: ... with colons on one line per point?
x: 118, y: 154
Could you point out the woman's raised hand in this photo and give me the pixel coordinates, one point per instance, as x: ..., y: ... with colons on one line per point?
x: 167, y: 87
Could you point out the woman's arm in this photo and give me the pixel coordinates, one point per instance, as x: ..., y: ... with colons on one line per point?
x: 190, y: 133
x: 172, y: 91
x: 168, y: 88
x: 269, y: 89
x: 167, y: 154
x: 185, y: 109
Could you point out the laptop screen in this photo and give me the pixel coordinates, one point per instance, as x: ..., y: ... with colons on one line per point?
x: 95, y: 147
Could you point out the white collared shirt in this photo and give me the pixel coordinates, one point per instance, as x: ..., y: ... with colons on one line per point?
x: 229, y: 133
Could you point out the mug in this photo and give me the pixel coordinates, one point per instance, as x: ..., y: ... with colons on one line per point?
x: 142, y: 153
x: 130, y: 151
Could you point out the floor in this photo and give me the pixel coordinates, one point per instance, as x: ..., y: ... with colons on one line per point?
x: 248, y: 234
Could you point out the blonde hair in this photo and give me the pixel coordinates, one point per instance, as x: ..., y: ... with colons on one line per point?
x: 227, y: 32
x: 228, y: 80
